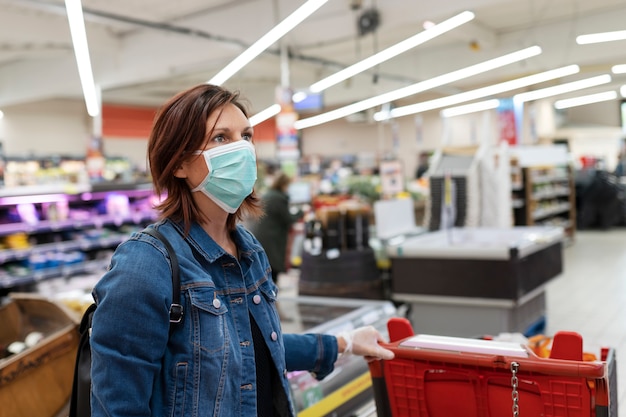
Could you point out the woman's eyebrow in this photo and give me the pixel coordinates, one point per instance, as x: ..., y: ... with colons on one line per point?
x: 225, y: 129
x: 221, y: 129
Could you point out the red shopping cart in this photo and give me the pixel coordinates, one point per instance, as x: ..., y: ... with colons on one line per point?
x: 439, y: 376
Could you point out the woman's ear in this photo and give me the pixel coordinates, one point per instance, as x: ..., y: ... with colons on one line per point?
x: 180, y: 172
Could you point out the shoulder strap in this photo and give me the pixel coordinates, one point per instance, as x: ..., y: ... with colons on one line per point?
x: 176, y: 309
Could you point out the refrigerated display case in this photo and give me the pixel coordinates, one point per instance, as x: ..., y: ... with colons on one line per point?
x: 347, y: 391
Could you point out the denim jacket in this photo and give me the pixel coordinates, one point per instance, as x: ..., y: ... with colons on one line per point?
x: 205, y: 365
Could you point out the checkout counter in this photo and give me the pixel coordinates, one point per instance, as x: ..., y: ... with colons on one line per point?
x: 471, y: 282
x: 347, y: 391
x: 468, y: 281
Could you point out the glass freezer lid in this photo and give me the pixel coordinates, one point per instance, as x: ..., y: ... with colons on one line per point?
x: 305, y: 314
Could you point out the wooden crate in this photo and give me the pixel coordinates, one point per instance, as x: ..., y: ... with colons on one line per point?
x: 37, y: 381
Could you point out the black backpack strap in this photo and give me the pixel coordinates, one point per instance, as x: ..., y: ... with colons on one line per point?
x: 176, y: 309
x: 80, y: 404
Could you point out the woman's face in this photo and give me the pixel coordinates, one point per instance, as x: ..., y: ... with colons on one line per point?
x: 227, y: 125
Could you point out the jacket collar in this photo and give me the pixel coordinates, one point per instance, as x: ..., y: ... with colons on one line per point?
x: 206, y: 246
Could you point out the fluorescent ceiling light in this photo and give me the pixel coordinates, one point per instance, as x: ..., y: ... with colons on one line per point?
x: 470, y: 108
x: 582, y: 100
x: 478, y: 93
x: 263, y: 115
x: 298, y: 96
x: 81, y: 51
x: 622, y: 90
x: 392, y: 51
x: 431, y: 32
x: 618, y: 69
x: 601, y: 37
x: 418, y: 87
x: 562, y: 88
x: 267, y: 40
x: 1, y: 114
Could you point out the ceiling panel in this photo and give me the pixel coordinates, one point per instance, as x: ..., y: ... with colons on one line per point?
x: 144, y: 51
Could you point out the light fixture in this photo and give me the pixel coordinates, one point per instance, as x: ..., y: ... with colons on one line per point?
x: 418, y: 87
x: 81, y: 51
x: 1, y: 114
x: 470, y: 108
x: 428, y: 24
x: 429, y: 33
x: 298, y: 96
x: 267, y: 40
x: 478, y: 93
x: 618, y: 69
x: 601, y: 37
x: 622, y: 90
x: 263, y: 115
x: 562, y: 88
x: 583, y: 100
x: 392, y: 51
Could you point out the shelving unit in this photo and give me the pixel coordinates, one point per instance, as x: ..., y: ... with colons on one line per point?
x: 546, y: 197
x: 66, y: 229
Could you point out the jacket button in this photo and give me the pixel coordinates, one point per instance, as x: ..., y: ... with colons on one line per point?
x: 216, y: 303
x: 274, y: 336
x: 256, y: 299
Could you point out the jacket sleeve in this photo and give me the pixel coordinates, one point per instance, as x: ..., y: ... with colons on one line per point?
x: 315, y: 353
x: 130, y: 330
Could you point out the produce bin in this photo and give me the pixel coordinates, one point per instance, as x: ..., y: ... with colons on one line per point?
x: 36, y: 382
x: 442, y: 376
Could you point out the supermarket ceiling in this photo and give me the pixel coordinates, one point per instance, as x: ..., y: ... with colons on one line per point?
x: 144, y: 51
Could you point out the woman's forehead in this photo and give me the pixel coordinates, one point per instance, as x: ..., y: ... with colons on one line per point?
x: 229, y: 117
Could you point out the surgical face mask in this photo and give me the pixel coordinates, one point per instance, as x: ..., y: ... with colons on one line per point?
x: 232, y: 174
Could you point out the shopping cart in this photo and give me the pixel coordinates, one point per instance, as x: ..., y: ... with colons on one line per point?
x: 439, y: 376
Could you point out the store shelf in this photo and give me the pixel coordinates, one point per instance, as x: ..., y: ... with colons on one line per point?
x: 84, y: 244
x: 8, y: 281
x: 44, y: 189
x: 552, y: 211
x: 69, y: 240
x: 57, y: 226
x: 547, y: 198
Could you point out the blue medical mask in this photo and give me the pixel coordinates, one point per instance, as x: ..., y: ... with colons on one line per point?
x: 232, y: 174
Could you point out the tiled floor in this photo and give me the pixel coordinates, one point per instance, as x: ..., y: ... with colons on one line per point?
x: 589, y: 297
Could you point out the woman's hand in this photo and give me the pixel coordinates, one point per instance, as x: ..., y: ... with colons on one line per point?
x: 363, y: 341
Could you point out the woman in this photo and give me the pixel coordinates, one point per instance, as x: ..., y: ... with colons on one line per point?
x: 228, y: 356
x: 272, y: 229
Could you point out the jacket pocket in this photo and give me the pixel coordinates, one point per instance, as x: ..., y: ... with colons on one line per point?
x: 209, y: 319
x: 269, y: 291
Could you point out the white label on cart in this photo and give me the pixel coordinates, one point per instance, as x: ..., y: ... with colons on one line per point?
x: 460, y: 344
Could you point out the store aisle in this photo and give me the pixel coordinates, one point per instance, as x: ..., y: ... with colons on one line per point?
x: 589, y: 297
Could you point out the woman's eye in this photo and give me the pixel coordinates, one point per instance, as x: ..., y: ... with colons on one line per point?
x: 219, y: 139
x: 247, y: 136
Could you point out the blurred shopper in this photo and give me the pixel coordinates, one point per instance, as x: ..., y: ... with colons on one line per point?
x: 272, y: 229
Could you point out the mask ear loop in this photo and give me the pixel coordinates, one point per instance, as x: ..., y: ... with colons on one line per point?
x: 206, y: 179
